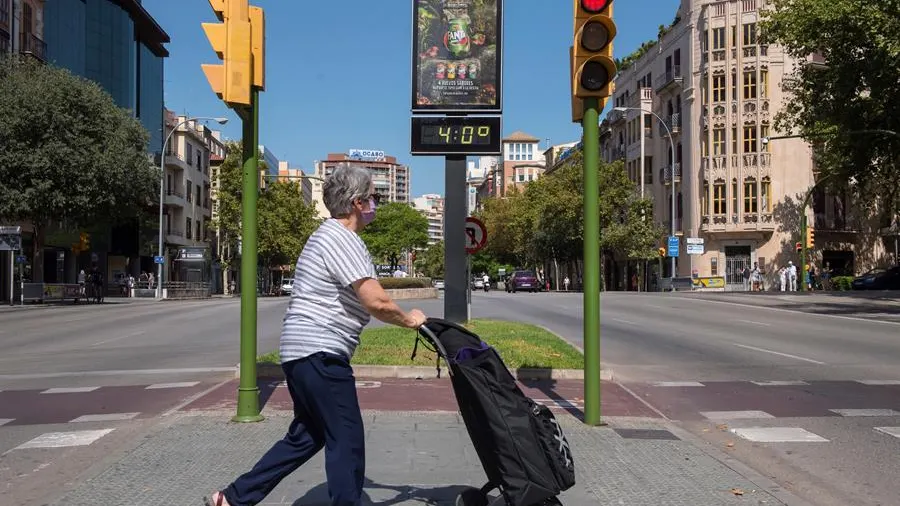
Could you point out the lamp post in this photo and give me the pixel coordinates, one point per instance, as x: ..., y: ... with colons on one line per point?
x: 162, y: 196
x: 672, y: 147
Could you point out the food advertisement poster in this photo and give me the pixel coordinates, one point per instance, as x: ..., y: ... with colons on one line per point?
x: 456, y: 55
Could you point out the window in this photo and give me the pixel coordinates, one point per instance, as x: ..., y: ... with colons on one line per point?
x: 719, y: 141
x: 749, y: 34
x: 719, y: 198
x: 199, y: 200
x: 188, y: 228
x: 648, y: 170
x: 713, y: 266
x: 734, y: 85
x: 190, y: 153
x: 734, y: 196
x: 750, y: 139
x: 733, y: 35
x: 704, y: 198
x: 763, y: 83
x: 734, y: 140
x: 749, y: 84
x: 719, y: 38
x: 197, y: 228
x: 764, y: 132
x: 750, y: 196
x: 718, y: 88
x: 765, y: 191
x: 190, y: 192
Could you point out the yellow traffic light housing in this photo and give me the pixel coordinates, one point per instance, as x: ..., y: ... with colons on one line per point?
x: 662, y: 252
x: 810, y: 238
x: 258, y: 46
x: 593, y: 67
x: 231, y: 40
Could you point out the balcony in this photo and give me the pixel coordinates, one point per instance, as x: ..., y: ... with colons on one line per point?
x: 642, y: 95
x: 176, y: 236
x: 616, y: 117
x: 176, y: 160
x: 672, y: 79
x: 175, y: 198
x: 674, y: 124
x: 747, y: 222
x: 666, y: 175
x: 34, y: 46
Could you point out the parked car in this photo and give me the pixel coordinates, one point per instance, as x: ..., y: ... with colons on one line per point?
x: 287, y: 286
x: 878, y: 279
x: 438, y: 283
x: 522, y: 281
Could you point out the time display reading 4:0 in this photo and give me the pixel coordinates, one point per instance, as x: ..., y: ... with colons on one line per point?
x: 456, y: 135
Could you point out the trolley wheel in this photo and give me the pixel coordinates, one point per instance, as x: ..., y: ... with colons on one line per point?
x: 471, y: 497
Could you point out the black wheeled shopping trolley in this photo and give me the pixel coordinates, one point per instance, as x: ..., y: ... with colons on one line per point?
x: 520, y: 443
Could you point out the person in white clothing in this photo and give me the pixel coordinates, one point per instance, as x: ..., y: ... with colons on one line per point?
x: 792, y: 276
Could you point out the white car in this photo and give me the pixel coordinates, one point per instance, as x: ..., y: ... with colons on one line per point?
x: 439, y: 284
x: 287, y: 286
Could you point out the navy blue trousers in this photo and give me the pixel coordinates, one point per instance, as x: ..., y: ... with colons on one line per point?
x: 326, y: 414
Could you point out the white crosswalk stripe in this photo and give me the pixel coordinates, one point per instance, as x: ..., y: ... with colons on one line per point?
x: 104, y: 417
x: 69, y: 390
x: 64, y: 439
x: 184, y: 384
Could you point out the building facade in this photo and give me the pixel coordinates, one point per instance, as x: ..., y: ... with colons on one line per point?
x: 477, y: 173
x: 118, y: 45
x: 287, y: 173
x: 187, y: 209
x: 392, y: 179
x: 713, y: 91
x: 432, y: 207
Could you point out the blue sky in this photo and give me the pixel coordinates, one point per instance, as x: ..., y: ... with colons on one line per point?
x: 338, y: 73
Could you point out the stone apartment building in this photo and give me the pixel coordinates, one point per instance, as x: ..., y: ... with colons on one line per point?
x: 717, y: 90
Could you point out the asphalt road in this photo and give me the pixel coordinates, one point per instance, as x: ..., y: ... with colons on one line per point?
x: 718, y: 366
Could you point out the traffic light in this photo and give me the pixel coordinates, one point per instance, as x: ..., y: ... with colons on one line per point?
x: 258, y: 46
x: 662, y: 252
x: 799, y: 247
x: 231, y: 40
x: 593, y: 68
x: 810, y: 238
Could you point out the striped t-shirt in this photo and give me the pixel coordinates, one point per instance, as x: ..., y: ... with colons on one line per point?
x: 325, y: 313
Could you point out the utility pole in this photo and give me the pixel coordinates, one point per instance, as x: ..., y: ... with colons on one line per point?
x: 592, y: 70
x: 240, y: 42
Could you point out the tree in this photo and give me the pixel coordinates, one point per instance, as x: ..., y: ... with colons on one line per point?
x: 431, y: 261
x: 69, y: 157
x: 228, y: 197
x: 397, y: 229
x: 285, y: 223
x: 856, y: 89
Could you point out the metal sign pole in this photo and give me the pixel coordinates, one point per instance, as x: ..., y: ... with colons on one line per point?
x: 455, y: 257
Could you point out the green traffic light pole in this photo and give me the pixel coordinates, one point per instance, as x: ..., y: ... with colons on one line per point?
x: 248, y: 390
x: 591, y: 285
x: 804, y: 222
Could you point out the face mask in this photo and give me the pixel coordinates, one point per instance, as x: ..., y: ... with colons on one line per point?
x: 368, y: 216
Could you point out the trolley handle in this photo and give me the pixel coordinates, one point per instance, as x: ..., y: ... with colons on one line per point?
x: 438, y: 349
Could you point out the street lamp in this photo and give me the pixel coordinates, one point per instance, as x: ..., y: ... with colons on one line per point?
x: 672, y: 146
x: 162, y: 187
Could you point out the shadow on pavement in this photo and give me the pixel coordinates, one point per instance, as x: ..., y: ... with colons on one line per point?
x: 387, y: 495
x: 546, y: 387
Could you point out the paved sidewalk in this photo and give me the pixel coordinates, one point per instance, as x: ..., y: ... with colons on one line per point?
x: 415, y: 458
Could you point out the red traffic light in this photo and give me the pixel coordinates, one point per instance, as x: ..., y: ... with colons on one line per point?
x: 594, y: 6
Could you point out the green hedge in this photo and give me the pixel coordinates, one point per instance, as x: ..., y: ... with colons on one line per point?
x: 400, y: 283
x: 842, y: 283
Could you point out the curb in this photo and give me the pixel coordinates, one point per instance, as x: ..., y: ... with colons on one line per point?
x: 422, y: 372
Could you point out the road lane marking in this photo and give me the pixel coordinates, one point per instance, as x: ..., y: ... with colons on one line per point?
x: 879, y: 382
x: 626, y: 322
x: 777, y: 383
x: 183, y: 384
x: 64, y: 439
x: 126, y: 336
x: 778, y: 435
x: 793, y: 311
x: 69, y: 390
x: 865, y: 412
x: 123, y: 372
x: 756, y: 323
x: 104, y: 417
x: 890, y: 431
x: 4, y: 421
x: 723, y: 416
x: 678, y: 384
x: 773, y: 352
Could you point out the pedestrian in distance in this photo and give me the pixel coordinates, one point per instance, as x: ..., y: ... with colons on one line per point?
x: 336, y: 291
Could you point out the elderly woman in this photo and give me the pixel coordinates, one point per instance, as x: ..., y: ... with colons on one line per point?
x: 335, y: 292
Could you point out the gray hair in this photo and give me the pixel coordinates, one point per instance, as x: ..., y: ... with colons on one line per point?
x: 346, y: 184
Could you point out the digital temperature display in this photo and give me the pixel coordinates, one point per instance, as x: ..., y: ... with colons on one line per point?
x: 470, y: 135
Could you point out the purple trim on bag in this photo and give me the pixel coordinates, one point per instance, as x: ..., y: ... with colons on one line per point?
x: 469, y: 353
